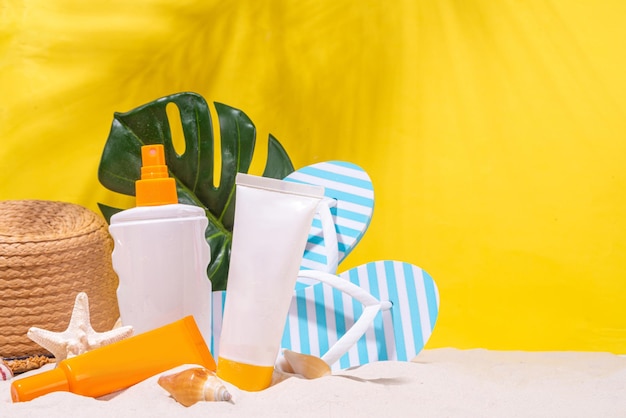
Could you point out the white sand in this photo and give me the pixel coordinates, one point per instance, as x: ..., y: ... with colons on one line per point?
x: 439, y: 383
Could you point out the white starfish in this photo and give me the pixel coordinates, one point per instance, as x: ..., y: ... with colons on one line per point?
x: 79, y: 337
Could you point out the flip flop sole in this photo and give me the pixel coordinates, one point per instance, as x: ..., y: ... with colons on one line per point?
x: 351, y: 188
x: 319, y: 315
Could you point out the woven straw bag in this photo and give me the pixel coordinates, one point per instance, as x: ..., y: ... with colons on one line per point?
x: 49, y: 252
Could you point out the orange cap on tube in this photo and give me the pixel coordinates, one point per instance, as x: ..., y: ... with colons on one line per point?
x: 40, y: 384
x: 245, y: 376
x: 155, y: 187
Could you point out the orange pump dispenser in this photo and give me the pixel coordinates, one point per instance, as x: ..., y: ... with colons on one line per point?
x: 155, y: 186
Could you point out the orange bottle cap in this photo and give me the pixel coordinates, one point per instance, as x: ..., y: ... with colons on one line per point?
x: 39, y: 384
x: 155, y: 187
x: 245, y: 376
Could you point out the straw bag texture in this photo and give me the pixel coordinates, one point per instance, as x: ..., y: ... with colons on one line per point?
x: 49, y: 252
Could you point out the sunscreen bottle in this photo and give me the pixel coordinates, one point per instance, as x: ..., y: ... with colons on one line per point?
x: 272, y: 223
x: 160, y: 253
x: 120, y: 365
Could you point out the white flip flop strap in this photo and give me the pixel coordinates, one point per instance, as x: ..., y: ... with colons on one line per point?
x: 329, y: 233
x: 371, y: 308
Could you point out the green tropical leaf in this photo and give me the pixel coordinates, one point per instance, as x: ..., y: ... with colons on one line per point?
x: 120, y: 164
x: 108, y: 211
x: 278, y: 163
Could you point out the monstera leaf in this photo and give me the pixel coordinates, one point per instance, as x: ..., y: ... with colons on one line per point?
x: 120, y: 164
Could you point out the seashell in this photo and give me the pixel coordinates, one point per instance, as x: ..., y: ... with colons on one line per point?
x: 5, y: 371
x: 299, y: 365
x: 194, y: 385
x: 306, y: 365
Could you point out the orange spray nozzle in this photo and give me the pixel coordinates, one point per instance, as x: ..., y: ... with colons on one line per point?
x: 155, y: 186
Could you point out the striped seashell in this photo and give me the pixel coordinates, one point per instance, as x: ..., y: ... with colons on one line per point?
x: 5, y: 371
x: 194, y: 385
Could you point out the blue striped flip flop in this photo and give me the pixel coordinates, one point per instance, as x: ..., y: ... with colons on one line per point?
x: 342, y: 218
x: 383, y: 310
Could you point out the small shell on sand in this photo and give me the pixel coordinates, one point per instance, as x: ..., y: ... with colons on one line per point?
x: 194, y: 385
x: 5, y: 371
x: 293, y: 364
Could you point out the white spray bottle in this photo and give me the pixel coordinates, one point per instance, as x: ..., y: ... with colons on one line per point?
x: 161, y: 254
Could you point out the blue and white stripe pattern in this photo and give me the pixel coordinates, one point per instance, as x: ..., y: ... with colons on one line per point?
x: 217, y: 314
x: 319, y: 315
x: 351, y: 187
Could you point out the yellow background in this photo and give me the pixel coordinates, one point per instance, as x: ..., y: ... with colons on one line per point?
x: 494, y: 132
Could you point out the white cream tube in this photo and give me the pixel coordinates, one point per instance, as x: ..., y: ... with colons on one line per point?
x: 272, y: 223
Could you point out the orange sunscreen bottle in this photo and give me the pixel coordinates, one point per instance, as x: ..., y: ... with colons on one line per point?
x: 121, y: 364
